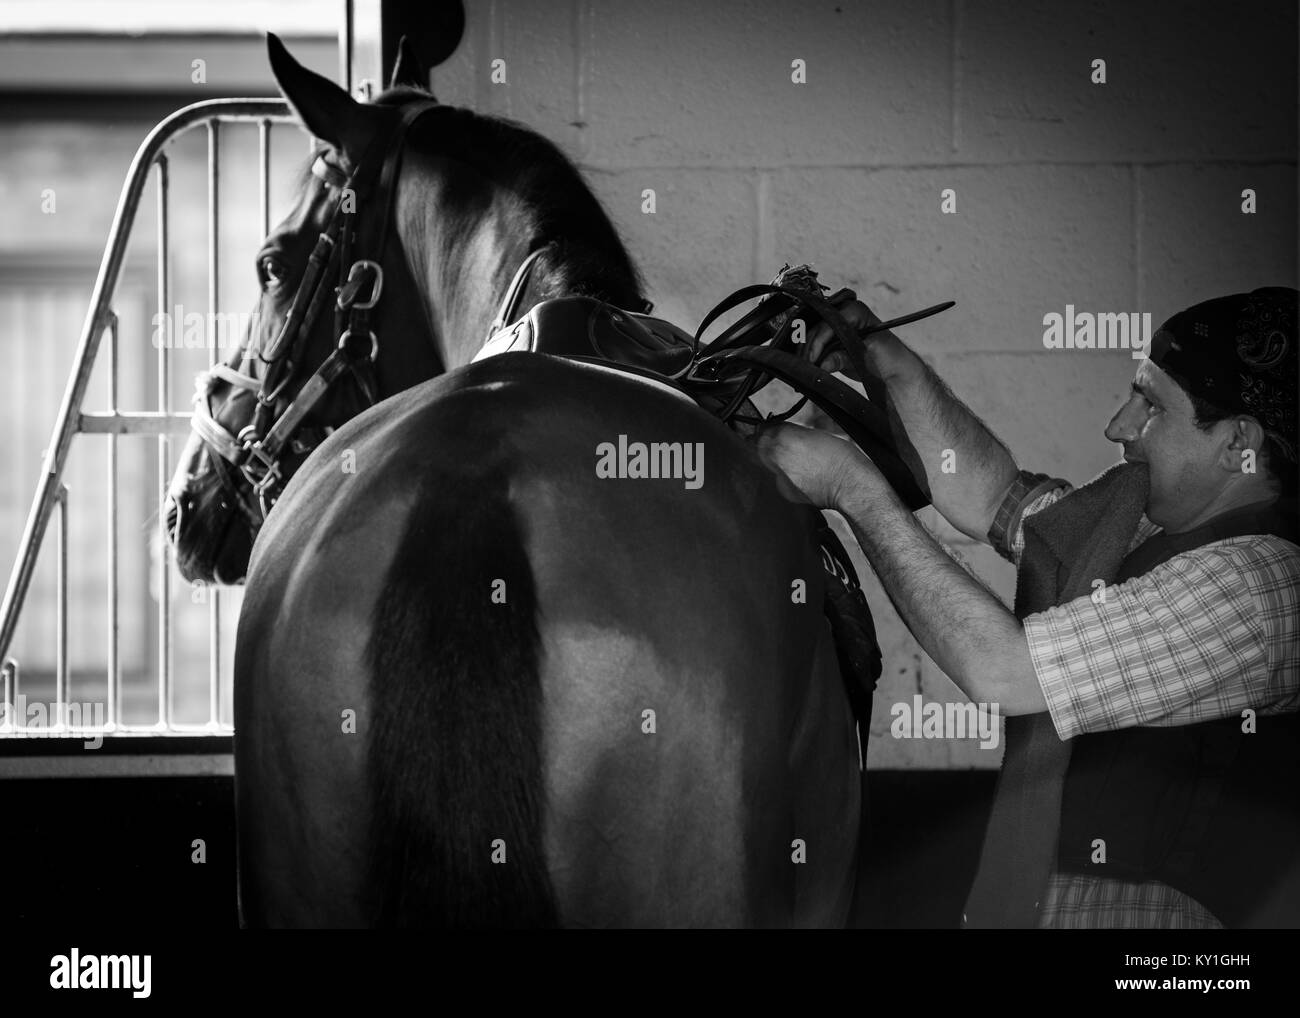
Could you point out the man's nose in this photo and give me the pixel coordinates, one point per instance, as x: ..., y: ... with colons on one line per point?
x: 1125, y: 425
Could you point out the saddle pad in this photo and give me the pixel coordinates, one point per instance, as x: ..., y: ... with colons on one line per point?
x: 637, y: 376
x: 583, y: 327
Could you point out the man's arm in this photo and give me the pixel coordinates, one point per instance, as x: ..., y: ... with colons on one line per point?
x: 965, y: 628
x: 935, y: 421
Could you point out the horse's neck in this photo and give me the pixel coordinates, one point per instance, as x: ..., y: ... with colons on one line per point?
x: 466, y: 288
x: 477, y: 293
x: 463, y: 290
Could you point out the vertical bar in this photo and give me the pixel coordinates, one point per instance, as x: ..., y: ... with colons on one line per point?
x: 114, y: 651
x: 214, y: 150
x: 264, y: 174
x: 214, y: 252
x: 345, y: 47
x: 9, y: 678
x: 366, y: 46
x: 61, y: 613
x: 164, y: 450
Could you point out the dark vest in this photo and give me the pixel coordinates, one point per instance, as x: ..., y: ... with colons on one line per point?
x: 1206, y: 808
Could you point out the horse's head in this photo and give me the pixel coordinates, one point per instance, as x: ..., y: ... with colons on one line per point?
x: 334, y: 239
x: 424, y: 211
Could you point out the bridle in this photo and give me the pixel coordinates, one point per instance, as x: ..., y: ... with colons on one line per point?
x: 258, y: 449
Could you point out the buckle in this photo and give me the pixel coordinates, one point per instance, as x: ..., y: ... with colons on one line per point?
x: 260, y: 469
x: 701, y: 370
x: 263, y: 473
x: 345, y: 342
x: 347, y: 293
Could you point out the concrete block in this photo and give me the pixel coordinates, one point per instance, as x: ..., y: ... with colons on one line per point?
x: 1025, y: 241
x: 1050, y: 407
x: 1182, y: 81
x: 462, y: 79
x: 36, y: 156
x: 1197, y: 243
x: 539, y: 44
x: 696, y: 247
x: 686, y: 83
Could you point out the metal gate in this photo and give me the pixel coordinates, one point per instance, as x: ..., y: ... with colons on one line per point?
x: 50, y: 504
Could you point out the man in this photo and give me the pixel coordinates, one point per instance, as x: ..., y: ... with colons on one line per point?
x: 1151, y: 673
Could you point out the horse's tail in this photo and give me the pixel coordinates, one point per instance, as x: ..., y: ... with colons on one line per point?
x: 455, y: 750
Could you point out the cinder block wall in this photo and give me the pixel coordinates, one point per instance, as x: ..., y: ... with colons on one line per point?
x: 1116, y: 197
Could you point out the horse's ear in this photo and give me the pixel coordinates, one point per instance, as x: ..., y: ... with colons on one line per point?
x: 408, y: 69
x: 326, y: 110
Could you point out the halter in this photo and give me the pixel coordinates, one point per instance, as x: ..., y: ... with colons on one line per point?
x: 259, y: 447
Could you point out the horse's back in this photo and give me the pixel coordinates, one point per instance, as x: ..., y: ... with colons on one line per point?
x: 682, y: 752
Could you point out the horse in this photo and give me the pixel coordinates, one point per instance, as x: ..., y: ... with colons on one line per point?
x: 488, y: 673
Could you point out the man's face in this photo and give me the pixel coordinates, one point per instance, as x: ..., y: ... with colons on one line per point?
x: 1156, y: 425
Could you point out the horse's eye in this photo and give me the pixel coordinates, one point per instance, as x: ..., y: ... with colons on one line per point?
x: 271, y: 270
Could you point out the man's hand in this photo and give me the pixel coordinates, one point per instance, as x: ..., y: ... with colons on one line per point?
x: 822, y: 340
x: 819, y: 464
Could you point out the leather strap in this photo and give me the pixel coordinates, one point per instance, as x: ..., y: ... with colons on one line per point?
x: 308, y: 396
x: 321, y: 256
x: 509, y: 309
x: 862, y: 421
x: 871, y: 423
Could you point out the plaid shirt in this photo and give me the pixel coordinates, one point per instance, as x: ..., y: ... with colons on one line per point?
x: 1204, y: 635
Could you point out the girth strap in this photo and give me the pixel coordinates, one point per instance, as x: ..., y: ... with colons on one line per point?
x: 852, y: 626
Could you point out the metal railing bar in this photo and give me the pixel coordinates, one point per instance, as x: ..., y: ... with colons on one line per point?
x: 61, y: 612
x: 264, y: 174
x: 164, y: 458
x: 16, y: 730
x: 214, y: 284
x: 147, y: 423
x: 92, y: 765
x: 9, y: 680
x: 114, y: 648
x: 97, y: 317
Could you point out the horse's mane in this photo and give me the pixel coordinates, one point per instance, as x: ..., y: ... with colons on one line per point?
x: 555, y: 204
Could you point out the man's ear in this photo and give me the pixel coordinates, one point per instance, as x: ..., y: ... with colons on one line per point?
x: 1245, y: 434
x: 325, y: 109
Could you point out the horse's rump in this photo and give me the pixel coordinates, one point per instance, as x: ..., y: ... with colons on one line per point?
x: 583, y: 698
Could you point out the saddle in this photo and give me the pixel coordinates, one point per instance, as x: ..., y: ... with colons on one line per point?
x: 721, y: 378
x: 589, y: 329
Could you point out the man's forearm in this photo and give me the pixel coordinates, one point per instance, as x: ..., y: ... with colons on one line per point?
x: 970, y: 634
x: 968, y: 469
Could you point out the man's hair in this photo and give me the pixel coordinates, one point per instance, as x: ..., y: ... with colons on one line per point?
x: 1281, y: 469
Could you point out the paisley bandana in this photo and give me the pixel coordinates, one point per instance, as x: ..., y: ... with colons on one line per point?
x: 1239, y: 353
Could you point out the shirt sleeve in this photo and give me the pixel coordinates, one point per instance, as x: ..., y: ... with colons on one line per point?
x: 1027, y: 494
x: 1204, y: 635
